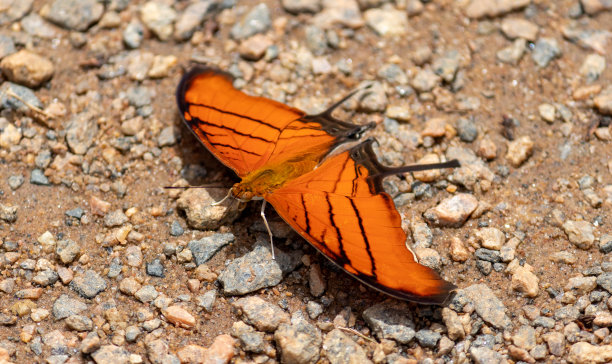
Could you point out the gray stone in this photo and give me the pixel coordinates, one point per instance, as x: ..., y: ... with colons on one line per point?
x: 111, y: 354
x: 8, y: 213
x: 299, y: 342
x: 7, y: 101
x: 73, y: 14
x: 15, y: 181
x: 482, y: 355
x: 146, y: 294
x: 490, y: 308
x: 447, y: 65
x: 176, y: 229
x: 13, y: 10
x: 605, y: 243
x: 45, y: 278
x: 66, y: 306
x: 487, y: 255
x: 133, y: 34
x: 605, y: 281
x: 301, y: 6
x: 155, y: 268
x: 67, y: 250
x: 37, y: 177
x: 255, y: 21
x: 35, y: 25
x: 81, y: 131
x: 207, y: 247
x: 390, y: 321
x: 545, y: 50
x: 340, y: 349
x: 467, y: 130
x: 168, y: 136
x: 88, y: 284
x: 263, y: 315
x: 115, y: 218
x: 77, y: 213
x: 7, y: 46
x: 159, y: 18
x: 250, y: 340
x: 79, y: 323
x: 207, y: 300
x: 251, y: 272
x: 428, y: 338
x: 191, y: 18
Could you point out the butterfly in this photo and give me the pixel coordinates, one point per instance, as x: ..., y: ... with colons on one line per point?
x: 335, y: 201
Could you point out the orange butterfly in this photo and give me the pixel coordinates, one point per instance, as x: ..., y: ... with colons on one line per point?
x: 336, y: 203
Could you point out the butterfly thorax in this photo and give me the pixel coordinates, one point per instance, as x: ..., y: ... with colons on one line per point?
x: 267, y: 179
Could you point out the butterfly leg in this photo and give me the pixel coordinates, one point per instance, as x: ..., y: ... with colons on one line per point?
x: 263, y: 216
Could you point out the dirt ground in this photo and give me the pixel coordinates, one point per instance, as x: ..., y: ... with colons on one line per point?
x: 535, y: 190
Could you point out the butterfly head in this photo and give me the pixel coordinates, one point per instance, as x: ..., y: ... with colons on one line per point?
x: 243, y: 192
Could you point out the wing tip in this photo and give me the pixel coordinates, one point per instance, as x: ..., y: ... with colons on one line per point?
x: 188, y: 78
x: 443, y: 295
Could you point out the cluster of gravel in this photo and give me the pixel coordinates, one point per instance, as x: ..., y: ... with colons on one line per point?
x: 99, y: 262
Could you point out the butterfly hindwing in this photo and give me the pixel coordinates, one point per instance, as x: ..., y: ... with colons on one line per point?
x: 342, y: 210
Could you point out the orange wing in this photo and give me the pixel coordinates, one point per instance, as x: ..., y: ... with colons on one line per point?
x: 246, y: 132
x: 341, y: 208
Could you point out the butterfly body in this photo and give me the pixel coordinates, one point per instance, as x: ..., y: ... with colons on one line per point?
x: 333, y: 198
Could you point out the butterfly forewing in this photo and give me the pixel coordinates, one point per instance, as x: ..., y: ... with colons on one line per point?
x: 342, y: 209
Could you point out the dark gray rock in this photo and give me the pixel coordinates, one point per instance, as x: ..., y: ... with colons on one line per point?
x: 391, y: 320
x: 428, y: 338
x: 37, y: 177
x: 251, y: 272
x: 7, y: 101
x: 207, y: 247
x: 545, y: 50
x: 88, y: 284
x: 66, y: 306
x: 255, y: 21
x: 155, y: 268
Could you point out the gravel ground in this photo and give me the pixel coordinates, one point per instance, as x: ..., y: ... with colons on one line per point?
x: 99, y: 262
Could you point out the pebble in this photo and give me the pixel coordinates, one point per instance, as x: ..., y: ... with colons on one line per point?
x: 581, y: 285
x: 467, y: 130
x: 547, y: 112
x: 301, y: 6
x: 263, y: 315
x: 545, y: 50
x: 493, y: 8
x: 35, y: 25
x: 207, y: 247
x: 603, y: 101
x: 555, y: 342
x: 430, y: 175
x: 391, y: 320
x: 201, y: 215
x: 592, y: 67
x: 483, y: 355
x: 37, y: 177
x: 73, y: 14
x: 115, y: 218
x: 340, y: 348
x: 67, y: 250
x: 339, y: 12
x: 251, y: 340
x: 583, y: 353
x: 155, y: 268
x: 513, y: 53
x: 88, y: 284
x: 490, y: 238
x: 458, y: 251
x: 421, y: 234
x: 79, y: 323
x: 111, y: 354
x: 486, y: 304
x: 15, y: 181
x: 519, y: 150
x: 179, y: 317
x: 10, y: 136
x: 593, y: 7
x: 14, y: 10
x: 133, y: 34
x: 45, y: 278
x: 428, y: 338
x: 519, y: 28
x: 446, y: 65
x: 473, y: 170
x: 425, y: 80
x: 523, y: 279
x: 66, y: 306
x: 435, y: 127
x: 393, y: 74
x: 81, y: 132
x: 207, y: 300
x: 387, y: 21
x: 605, y: 243
x: 579, y: 233
x: 191, y: 18
x: 605, y: 281
x: 452, y: 211
x: 589, y: 39
x: 254, y: 48
x: 159, y: 18
x: 316, y: 281
x: 299, y: 342
x: 257, y: 20
x: 251, y: 272
x: 8, y: 213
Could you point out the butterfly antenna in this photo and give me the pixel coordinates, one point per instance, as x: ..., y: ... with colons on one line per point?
x: 263, y: 216
x: 341, y: 101
x: 421, y: 167
x: 217, y: 203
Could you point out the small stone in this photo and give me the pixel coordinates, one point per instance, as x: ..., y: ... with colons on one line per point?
x: 167, y: 137
x: 24, y: 94
x: 207, y: 300
x: 547, y: 112
x: 555, y: 342
x: 129, y: 286
x: 425, y: 80
x: 490, y: 238
x: 115, y: 218
x: 79, y: 323
x: 467, y: 130
x: 261, y: 314
x: 545, y: 50
x: 459, y: 252
x: 592, y: 67
x: 316, y: 281
x: 254, y: 48
x: 339, y: 348
x: 492, y: 8
x: 605, y: 281
x: 251, y: 272
x: 251, y: 340
x: 159, y: 18
x: 314, y: 309
x: 484, y: 355
x: 605, y: 243
x: 430, y: 175
x: 593, y: 7
x: 453, y: 323
x: 146, y: 294
x: 207, y: 247
x: 27, y: 68
x: 191, y: 18
x: 584, y: 352
x: 179, y: 316
x: 387, y: 21
x: 88, y: 284
x: 428, y: 338
x: 66, y: 306
x: 519, y: 28
x: 67, y: 250
x: 525, y: 337
x: 490, y: 308
x: 579, y: 233
x: 81, y: 131
x: 523, y: 279
x: 73, y: 14
x: 37, y: 177
x: 519, y: 150
x: 155, y: 268
x: 15, y: 181
x: 513, y: 53
x: 161, y: 66
x: 339, y: 12
x: 390, y: 321
x: 301, y: 6
x: 8, y: 213
x: 111, y: 354
x: 133, y: 34
x: 45, y: 278
x: 446, y: 65
x: 299, y: 342
x: 581, y: 285
x: 453, y: 211
x: 255, y: 21
x: 603, y: 101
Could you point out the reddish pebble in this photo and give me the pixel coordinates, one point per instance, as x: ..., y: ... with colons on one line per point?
x: 99, y: 206
x: 179, y: 316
